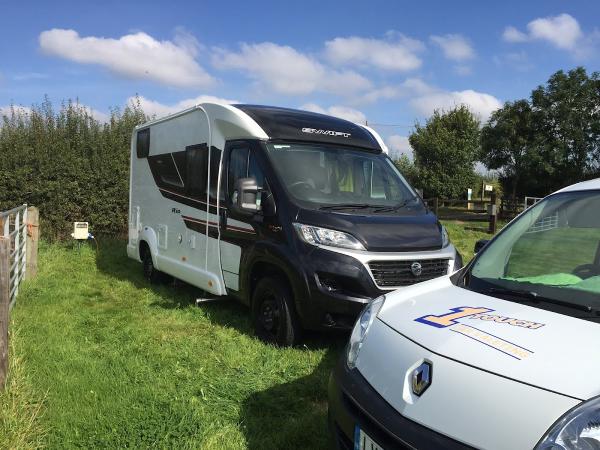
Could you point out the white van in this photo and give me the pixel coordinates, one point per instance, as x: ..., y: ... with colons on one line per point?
x: 301, y: 216
x: 502, y: 354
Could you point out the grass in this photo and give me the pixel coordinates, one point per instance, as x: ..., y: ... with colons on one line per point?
x: 99, y: 358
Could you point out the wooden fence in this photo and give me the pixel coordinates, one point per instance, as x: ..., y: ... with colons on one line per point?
x: 19, y: 234
x: 487, y: 210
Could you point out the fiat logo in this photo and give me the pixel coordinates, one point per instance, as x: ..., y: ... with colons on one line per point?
x: 416, y: 269
x: 421, y: 378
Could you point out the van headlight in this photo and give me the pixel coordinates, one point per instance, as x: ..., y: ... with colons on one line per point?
x: 445, y: 238
x: 324, y: 236
x: 577, y: 429
x: 361, y: 328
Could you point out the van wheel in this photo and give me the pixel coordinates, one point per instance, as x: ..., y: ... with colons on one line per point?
x: 273, y: 313
x: 151, y: 274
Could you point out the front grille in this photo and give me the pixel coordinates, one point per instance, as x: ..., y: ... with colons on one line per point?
x: 390, y: 274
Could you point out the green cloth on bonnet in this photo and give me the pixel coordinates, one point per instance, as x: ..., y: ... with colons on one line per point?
x: 552, y: 279
x: 565, y: 280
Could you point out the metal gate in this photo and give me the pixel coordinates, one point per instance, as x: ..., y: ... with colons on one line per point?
x: 13, y: 226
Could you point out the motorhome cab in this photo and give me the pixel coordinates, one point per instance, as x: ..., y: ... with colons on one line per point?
x: 501, y: 355
x: 301, y: 216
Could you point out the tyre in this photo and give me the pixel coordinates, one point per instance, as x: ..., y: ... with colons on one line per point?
x: 151, y: 273
x: 273, y: 313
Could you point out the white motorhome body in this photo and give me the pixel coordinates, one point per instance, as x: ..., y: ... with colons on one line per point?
x: 226, y: 196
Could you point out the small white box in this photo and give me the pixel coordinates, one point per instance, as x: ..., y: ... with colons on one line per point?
x: 80, y: 230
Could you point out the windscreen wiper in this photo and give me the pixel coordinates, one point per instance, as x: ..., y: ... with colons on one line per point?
x: 534, y: 297
x: 397, y: 206
x: 351, y: 206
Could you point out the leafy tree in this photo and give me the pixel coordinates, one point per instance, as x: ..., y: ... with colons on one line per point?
x: 550, y: 141
x: 568, y: 124
x: 508, y: 143
x: 408, y: 169
x: 446, y: 150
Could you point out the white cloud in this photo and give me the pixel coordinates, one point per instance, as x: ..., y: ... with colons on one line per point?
x: 394, y: 55
x: 409, y: 87
x: 454, y: 46
x: 398, y: 146
x: 562, y: 31
x: 154, y: 108
x: 288, y: 71
x: 517, y: 60
x: 136, y: 56
x: 479, y: 103
x: 511, y: 34
x: 343, y: 112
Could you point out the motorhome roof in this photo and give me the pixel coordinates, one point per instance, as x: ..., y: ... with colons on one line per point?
x: 293, y: 124
x: 271, y: 122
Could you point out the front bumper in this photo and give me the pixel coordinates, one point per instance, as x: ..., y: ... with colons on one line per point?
x: 340, y: 283
x: 353, y: 402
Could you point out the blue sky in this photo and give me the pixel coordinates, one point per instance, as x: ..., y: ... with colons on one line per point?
x: 390, y: 63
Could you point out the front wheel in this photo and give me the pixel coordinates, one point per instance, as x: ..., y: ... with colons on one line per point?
x: 273, y: 313
x: 151, y: 273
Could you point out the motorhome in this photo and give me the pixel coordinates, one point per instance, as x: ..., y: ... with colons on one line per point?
x: 301, y: 216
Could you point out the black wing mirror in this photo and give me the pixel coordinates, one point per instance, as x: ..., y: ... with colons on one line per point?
x: 480, y: 244
x: 245, y: 197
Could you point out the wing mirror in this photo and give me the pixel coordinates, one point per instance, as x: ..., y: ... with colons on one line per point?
x: 480, y: 244
x: 246, y: 196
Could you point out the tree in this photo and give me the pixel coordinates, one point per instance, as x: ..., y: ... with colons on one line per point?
x: 446, y: 150
x: 408, y: 169
x: 568, y: 122
x: 508, y: 143
x: 550, y: 141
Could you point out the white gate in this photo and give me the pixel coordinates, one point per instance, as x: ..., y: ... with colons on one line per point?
x: 15, y: 229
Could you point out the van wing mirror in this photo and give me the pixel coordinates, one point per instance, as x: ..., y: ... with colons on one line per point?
x: 246, y: 196
x: 480, y: 244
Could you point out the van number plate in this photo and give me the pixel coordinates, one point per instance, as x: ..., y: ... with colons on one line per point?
x: 362, y: 441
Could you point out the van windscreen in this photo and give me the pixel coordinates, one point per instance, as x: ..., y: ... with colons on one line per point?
x: 322, y: 176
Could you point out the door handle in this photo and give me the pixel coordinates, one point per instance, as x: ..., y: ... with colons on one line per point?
x: 223, y: 219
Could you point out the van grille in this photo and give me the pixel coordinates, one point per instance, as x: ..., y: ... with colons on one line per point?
x: 390, y: 274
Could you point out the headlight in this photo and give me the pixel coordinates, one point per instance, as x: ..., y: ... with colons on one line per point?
x: 445, y: 238
x: 323, y: 236
x: 361, y: 328
x: 577, y: 429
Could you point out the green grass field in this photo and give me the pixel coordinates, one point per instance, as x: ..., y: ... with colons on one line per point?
x: 100, y: 358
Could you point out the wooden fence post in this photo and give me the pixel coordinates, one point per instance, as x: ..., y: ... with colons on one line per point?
x: 33, y: 236
x: 4, y: 307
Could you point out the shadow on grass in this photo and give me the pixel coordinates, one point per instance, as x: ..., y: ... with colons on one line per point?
x: 112, y: 260
x: 292, y: 415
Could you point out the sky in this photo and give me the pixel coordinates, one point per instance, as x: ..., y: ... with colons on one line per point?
x: 389, y: 64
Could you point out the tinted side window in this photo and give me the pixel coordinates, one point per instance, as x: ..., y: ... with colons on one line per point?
x: 238, y: 166
x: 143, y: 143
x: 197, y: 170
x: 242, y: 164
x: 165, y: 172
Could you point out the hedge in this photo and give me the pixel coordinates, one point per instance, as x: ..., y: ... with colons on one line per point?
x: 69, y: 165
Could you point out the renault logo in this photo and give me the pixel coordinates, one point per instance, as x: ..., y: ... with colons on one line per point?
x: 421, y: 378
x: 416, y: 269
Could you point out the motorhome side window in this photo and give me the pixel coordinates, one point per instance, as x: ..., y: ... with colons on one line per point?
x: 197, y: 170
x: 143, y: 143
x: 242, y: 164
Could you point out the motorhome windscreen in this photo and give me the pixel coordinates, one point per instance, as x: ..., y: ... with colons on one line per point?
x: 321, y: 176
